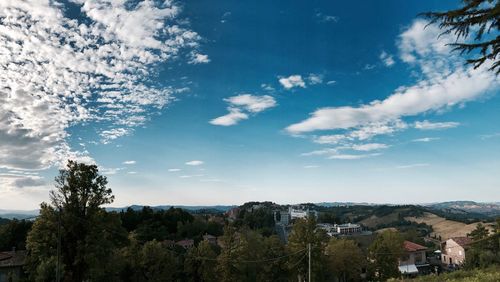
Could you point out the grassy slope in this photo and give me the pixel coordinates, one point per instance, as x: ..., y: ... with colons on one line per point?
x: 491, y: 274
x: 443, y: 227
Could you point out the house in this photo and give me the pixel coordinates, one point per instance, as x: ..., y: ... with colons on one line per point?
x: 301, y: 213
x: 11, y: 264
x: 186, y: 243
x: 413, y: 259
x: 348, y: 228
x: 453, y: 250
x: 210, y: 239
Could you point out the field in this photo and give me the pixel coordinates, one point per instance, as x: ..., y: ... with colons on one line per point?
x: 443, y: 227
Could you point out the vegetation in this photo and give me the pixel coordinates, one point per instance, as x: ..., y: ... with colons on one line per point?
x: 490, y: 274
x: 76, y: 239
x: 477, y: 24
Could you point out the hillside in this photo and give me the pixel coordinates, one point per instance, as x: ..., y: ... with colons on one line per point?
x: 491, y: 274
x: 444, y: 227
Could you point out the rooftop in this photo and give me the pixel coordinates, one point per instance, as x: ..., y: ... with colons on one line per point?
x: 413, y: 247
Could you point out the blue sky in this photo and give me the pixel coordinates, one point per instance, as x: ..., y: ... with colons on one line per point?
x: 202, y: 103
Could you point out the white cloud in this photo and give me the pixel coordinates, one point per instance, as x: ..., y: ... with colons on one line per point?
x: 252, y: 103
x: 195, y: 163
x: 446, y: 83
x: 129, y: 162
x: 322, y: 18
x: 174, y: 169
x: 191, y: 175
x: 352, y: 156
x: 427, y: 125
x: 132, y: 172
x: 369, y: 67
x: 369, y: 147
x: 311, y: 166
x: 199, y: 59
x: 267, y: 87
x: 292, y: 81
x: 412, y: 165
x: 315, y: 78
x: 387, y: 59
x: 234, y: 116
x: 59, y: 72
x: 240, y: 104
x: 426, y: 139
x: 331, y: 82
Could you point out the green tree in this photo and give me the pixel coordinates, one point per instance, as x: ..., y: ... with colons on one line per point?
x: 226, y: 268
x: 477, y: 23
x: 275, y: 269
x: 479, y: 233
x: 345, y: 259
x: 304, y: 232
x: 201, y: 262
x: 13, y: 234
x: 89, y: 236
x: 384, y: 254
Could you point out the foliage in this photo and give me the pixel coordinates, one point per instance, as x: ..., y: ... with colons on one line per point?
x: 490, y: 274
x: 201, y: 262
x: 384, y: 254
x: 304, y: 232
x: 89, y: 235
x: 345, y: 259
x: 481, y: 18
x: 13, y: 234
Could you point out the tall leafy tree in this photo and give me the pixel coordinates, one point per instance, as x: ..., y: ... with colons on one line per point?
x: 384, y: 254
x: 345, y: 259
x: 75, y: 220
x: 200, y: 263
x: 304, y: 232
x: 476, y: 26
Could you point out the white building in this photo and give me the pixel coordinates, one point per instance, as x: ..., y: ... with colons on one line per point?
x: 300, y: 213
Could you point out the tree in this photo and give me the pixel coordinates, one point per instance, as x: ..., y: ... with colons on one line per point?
x: 13, y: 234
x: 481, y: 18
x: 201, y: 262
x: 304, y: 232
x: 88, y: 236
x: 479, y: 233
x: 345, y: 259
x: 226, y: 268
x: 384, y: 254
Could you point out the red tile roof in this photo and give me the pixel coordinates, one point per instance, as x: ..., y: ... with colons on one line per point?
x: 462, y: 241
x: 413, y: 247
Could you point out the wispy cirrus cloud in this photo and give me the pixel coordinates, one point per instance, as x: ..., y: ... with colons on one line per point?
x: 443, y: 82
x: 60, y: 71
x: 427, y: 125
x: 387, y: 59
x: 241, y: 106
x: 195, y: 163
x: 426, y: 139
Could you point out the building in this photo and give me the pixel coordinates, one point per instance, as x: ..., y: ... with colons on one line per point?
x: 282, y: 218
x: 413, y: 260
x: 11, y: 264
x: 186, y: 243
x: 301, y: 213
x: 453, y: 250
x: 348, y: 228
x: 210, y: 239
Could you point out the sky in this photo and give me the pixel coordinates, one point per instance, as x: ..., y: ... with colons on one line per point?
x: 204, y: 103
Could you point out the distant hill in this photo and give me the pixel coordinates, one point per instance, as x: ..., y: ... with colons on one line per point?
x: 212, y: 209
x: 19, y: 214
x: 461, y: 207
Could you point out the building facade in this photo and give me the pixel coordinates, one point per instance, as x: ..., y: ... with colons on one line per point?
x: 454, y: 249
